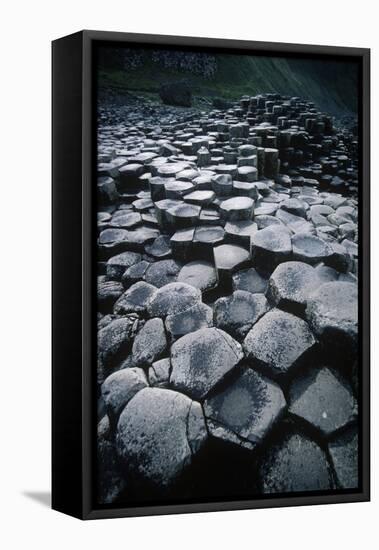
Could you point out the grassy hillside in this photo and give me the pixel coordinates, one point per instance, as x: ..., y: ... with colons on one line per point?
x: 331, y: 85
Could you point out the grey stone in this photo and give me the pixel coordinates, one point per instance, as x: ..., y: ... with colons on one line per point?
x: 247, y: 173
x: 115, y: 338
x: 339, y: 259
x: 250, y: 280
x: 206, y: 238
x: 201, y: 359
x: 159, y: 373
x: 271, y: 246
x: 117, y: 265
x: 237, y: 313
x: 118, y: 388
x: 278, y: 341
x: 167, y: 149
x: 128, y: 176
x: 200, y: 274
x: 158, y: 433
x: 245, y: 412
x: 160, y: 248
x: 309, y: 248
x: 108, y: 293
x: 201, y: 197
x: 295, y: 206
x: 149, y: 343
x: 323, y: 400
x: 245, y: 189
x: 110, y: 480
x: 139, y: 238
x: 332, y: 311
x: 240, y: 233
x: 125, y: 219
x: 264, y: 221
x: 169, y: 170
x: 229, y: 258
x: 344, y: 453
x: 135, y: 299
x: 107, y: 190
x: 177, y: 189
x: 173, y: 298
x: 183, y: 215
x: 295, y: 464
x: 237, y: 208
x: 290, y: 286
x: 194, y: 318
x: 296, y: 224
x: 163, y: 272
x: 181, y: 242
x: 135, y: 273
x: 222, y: 184
x: 326, y: 274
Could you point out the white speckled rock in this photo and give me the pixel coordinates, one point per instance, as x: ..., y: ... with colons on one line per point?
x: 173, y: 298
x: 120, y: 387
x: 201, y: 359
x: 291, y: 284
x: 332, y: 311
x: 135, y: 299
x: 246, y: 410
x: 237, y: 313
x: 149, y: 343
x: 323, y: 400
x: 296, y: 463
x: 278, y: 341
x: 158, y: 433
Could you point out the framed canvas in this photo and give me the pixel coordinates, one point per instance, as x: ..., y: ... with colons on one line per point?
x: 210, y: 275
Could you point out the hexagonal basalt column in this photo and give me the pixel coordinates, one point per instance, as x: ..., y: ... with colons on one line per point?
x: 205, y: 239
x: 310, y: 249
x: 296, y: 463
x: 222, y: 184
x: 201, y: 197
x: 183, y: 215
x: 245, y: 189
x: 323, y: 400
x: 271, y: 246
x: 181, y: 243
x: 344, y: 453
x: 228, y: 258
x: 291, y: 285
x: 201, y: 359
x: 237, y: 209
x: 161, y: 208
x: 171, y: 169
x: 246, y: 410
x: 158, y: 433
x: 278, y: 342
x: 247, y: 173
x: 240, y: 233
x: 332, y: 312
x: 178, y: 189
x: 271, y: 162
x: 237, y: 313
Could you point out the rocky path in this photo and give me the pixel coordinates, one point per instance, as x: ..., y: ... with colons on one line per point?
x: 227, y: 301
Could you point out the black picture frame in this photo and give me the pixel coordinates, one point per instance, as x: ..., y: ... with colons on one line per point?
x: 73, y: 297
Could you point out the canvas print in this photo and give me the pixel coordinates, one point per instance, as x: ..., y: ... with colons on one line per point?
x: 227, y: 264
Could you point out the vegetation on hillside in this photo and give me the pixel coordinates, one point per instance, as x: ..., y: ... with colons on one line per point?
x: 332, y: 85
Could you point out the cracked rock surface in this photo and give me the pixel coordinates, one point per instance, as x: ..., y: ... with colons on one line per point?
x: 158, y: 433
x: 227, y: 301
x: 245, y: 411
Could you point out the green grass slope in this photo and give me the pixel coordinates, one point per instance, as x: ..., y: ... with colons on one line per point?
x: 332, y: 85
